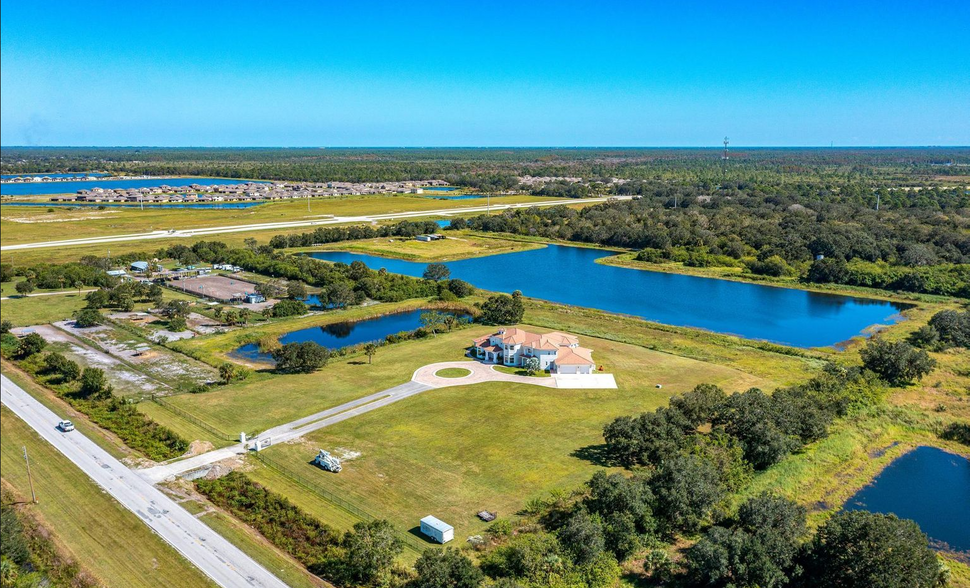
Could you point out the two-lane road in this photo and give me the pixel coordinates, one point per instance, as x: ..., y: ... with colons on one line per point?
x: 210, y: 552
x: 205, y: 231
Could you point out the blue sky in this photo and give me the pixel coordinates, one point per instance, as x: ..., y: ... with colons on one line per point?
x: 326, y: 73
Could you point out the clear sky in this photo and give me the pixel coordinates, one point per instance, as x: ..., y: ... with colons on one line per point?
x: 525, y: 73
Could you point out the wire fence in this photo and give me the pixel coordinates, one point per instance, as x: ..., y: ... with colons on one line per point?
x: 212, y: 429
x: 409, y: 541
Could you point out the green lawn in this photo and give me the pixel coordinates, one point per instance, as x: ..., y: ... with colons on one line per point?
x: 452, y: 373
x: 35, y: 310
x: 31, y: 224
x: 458, y: 245
x: 454, y: 451
x: 265, y: 399
x: 108, y: 540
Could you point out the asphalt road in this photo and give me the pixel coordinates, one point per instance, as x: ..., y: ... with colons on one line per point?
x: 224, y: 563
x: 152, y: 235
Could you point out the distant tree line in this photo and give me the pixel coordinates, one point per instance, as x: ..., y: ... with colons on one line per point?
x: 822, y: 242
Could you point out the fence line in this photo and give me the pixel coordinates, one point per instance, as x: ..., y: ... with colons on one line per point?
x: 407, y: 539
x: 193, y: 419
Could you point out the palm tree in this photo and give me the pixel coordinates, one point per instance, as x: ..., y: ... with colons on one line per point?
x: 370, y: 349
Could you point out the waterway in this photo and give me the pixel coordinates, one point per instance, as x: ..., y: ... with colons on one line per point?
x: 929, y: 486
x: 47, y: 188
x: 343, y: 334
x: 570, y: 275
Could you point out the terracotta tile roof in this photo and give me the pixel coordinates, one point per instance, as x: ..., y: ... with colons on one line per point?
x: 574, y: 356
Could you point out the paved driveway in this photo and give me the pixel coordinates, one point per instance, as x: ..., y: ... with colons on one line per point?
x: 481, y: 372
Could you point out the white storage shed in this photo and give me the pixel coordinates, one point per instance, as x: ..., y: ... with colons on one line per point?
x: 437, y: 529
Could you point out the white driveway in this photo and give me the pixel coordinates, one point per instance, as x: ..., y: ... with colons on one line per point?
x: 482, y: 372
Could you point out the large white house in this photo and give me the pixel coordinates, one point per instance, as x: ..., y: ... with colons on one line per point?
x: 557, y: 352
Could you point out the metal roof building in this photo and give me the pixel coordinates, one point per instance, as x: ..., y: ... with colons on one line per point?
x: 437, y: 529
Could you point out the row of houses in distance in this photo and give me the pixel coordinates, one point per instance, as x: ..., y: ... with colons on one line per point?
x: 251, y: 191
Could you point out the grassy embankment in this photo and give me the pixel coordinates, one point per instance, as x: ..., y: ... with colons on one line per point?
x: 108, y: 540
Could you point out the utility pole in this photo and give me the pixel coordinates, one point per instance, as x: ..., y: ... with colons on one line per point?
x: 725, y: 156
x: 30, y: 480
x: 878, y: 199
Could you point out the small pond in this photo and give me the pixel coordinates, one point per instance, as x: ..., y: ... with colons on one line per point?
x: 343, y: 334
x: 929, y: 486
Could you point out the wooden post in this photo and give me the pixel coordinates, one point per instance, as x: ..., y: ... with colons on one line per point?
x: 30, y: 480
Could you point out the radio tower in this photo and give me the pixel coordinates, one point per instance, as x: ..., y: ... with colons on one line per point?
x: 725, y: 156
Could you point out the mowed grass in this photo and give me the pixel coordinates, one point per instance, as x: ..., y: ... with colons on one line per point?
x: 454, y: 451
x: 108, y: 540
x: 37, y: 310
x: 30, y: 224
x: 452, y: 373
x: 456, y: 245
x: 266, y: 399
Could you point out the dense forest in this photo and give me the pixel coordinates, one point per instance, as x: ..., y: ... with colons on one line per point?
x: 492, y: 168
x: 917, y: 241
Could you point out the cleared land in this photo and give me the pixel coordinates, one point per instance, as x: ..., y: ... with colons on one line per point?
x: 109, y: 540
x: 31, y: 224
x: 457, y: 245
x: 250, y: 406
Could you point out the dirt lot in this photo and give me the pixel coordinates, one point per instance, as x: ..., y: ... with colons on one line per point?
x: 216, y: 287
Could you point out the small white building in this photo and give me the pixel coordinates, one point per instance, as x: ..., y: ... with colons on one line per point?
x: 437, y: 529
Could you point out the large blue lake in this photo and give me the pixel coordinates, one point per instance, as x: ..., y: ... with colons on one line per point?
x: 42, y: 188
x: 929, y: 486
x: 345, y: 334
x: 569, y: 275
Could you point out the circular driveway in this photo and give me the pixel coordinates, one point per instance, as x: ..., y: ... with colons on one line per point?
x: 480, y: 372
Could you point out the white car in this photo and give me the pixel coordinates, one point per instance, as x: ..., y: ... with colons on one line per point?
x: 65, y: 426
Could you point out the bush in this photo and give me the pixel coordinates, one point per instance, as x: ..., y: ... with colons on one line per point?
x: 286, y: 526
x: 898, y: 363
x: 300, y: 357
x: 94, y: 382
x: 445, y: 568
x: 959, y: 432
x: 31, y: 344
x: 87, y: 317
x: 288, y: 307
x: 859, y: 549
x: 503, y: 309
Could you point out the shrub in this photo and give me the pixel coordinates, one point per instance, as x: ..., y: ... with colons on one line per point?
x: 897, y: 362
x: 87, y: 317
x: 303, y: 357
x: 31, y: 344
x: 959, y: 432
x: 859, y: 549
x: 288, y: 307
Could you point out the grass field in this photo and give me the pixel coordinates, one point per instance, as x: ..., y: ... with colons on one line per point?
x: 458, y: 245
x: 247, y: 406
x: 107, y: 539
x: 30, y: 224
x: 38, y: 310
x: 454, y: 451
